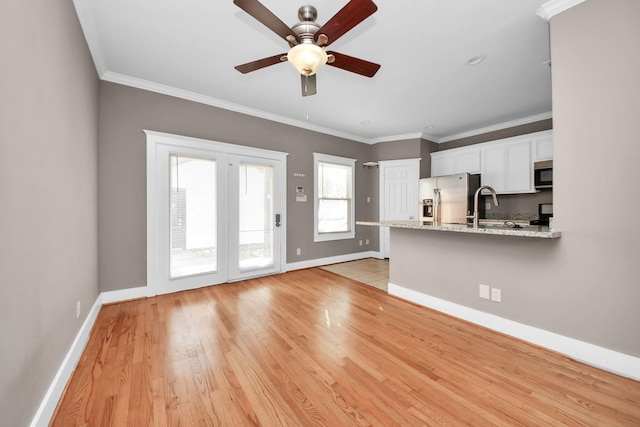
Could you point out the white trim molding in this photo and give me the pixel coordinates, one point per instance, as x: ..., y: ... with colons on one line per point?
x: 318, y: 262
x: 54, y: 393
x: 110, y: 297
x: 554, y: 7
x: 150, y: 86
x: 402, y: 137
x: 590, y: 354
x: 345, y: 162
x: 91, y: 35
x: 492, y: 128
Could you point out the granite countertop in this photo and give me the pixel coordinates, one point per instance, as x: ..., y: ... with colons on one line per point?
x: 486, y: 227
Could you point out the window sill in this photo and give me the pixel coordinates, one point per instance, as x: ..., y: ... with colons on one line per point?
x: 333, y: 236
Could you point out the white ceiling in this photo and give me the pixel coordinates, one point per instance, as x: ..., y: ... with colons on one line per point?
x: 188, y: 48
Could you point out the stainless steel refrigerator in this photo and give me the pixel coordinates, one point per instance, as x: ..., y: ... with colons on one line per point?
x: 448, y: 199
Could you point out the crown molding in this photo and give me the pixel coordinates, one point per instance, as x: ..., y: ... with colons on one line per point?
x: 214, y: 102
x: 90, y: 35
x: 554, y: 7
x: 125, y: 80
x: 401, y: 137
x: 492, y: 128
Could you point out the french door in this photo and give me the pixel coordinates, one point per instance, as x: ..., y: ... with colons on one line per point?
x: 214, y: 213
x: 255, y: 224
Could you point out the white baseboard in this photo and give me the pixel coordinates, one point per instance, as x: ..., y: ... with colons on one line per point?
x: 332, y: 260
x: 51, y: 398
x: 125, y: 294
x: 54, y: 393
x: 599, y: 357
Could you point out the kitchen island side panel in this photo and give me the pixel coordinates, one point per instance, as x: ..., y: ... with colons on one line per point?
x: 543, y: 284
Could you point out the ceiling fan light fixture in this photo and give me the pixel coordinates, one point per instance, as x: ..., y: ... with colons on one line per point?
x: 307, y: 58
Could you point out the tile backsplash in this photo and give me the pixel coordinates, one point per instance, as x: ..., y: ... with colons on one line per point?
x: 519, y: 207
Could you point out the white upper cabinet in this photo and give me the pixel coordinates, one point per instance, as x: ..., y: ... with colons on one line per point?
x: 505, y: 164
x: 507, y: 167
x: 457, y: 160
x: 542, y: 146
x: 493, y: 171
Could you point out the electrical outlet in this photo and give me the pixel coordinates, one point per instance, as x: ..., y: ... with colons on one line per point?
x: 487, y: 206
x: 484, y: 291
x: 496, y: 295
x: 360, y: 243
x: 368, y: 199
x: 78, y: 307
x: 366, y: 242
x: 298, y: 251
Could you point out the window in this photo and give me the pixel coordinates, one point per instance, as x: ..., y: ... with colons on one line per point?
x: 333, y: 200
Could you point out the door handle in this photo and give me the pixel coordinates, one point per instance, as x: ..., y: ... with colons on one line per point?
x: 277, y: 220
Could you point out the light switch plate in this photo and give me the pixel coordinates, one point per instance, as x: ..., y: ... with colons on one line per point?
x: 484, y: 292
x: 496, y: 295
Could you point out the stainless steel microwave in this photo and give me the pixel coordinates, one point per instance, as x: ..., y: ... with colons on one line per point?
x: 543, y: 174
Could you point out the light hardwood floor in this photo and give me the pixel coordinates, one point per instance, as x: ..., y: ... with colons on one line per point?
x: 311, y: 348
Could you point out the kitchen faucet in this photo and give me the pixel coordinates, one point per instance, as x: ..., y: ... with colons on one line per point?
x: 476, y: 216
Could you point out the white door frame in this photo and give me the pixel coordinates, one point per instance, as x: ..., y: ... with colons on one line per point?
x: 383, y: 164
x: 156, y: 139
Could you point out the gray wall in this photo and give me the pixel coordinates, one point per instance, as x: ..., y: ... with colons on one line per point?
x: 407, y: 149
x: 126, y: 111
x: 585, y: 284
x: 48, y: 182
x: 396, y: 150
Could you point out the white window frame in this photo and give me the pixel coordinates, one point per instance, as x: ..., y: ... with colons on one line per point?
x: 342, y: 161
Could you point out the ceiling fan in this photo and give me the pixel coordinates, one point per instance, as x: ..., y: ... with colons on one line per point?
x: 308, y: 40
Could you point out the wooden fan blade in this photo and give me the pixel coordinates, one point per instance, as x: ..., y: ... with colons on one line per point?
x: 260, y: 63
x: 355, y: 65
x: 348, y: 17
x: 308, y: 85
x: 266, y: 17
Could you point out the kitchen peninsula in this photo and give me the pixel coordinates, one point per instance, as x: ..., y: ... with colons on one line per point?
x: 493, y: 228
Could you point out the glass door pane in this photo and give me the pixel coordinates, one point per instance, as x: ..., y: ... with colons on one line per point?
x: 211, y: 213
x: 256, y: 216
x: 193, y: 216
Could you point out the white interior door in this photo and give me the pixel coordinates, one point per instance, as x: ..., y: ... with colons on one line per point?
x: 215, y: 213
x: 399, y: 198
